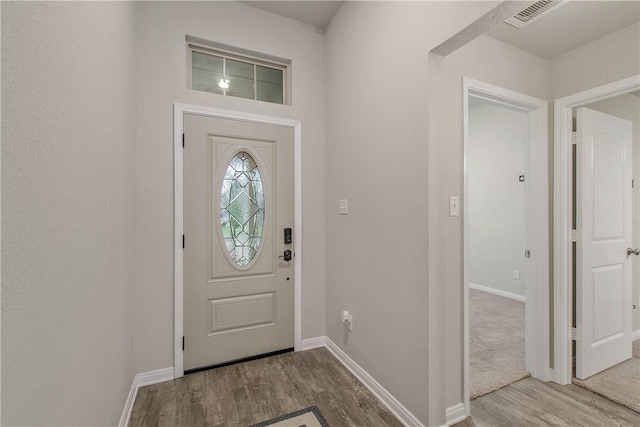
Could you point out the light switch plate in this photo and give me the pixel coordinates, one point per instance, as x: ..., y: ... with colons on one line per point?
x: 343, y: 207
x: 454, y: 206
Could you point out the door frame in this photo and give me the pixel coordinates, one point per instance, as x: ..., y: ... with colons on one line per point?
x: 537, y: 223
x: 563, y: 213
x: 179, y: 110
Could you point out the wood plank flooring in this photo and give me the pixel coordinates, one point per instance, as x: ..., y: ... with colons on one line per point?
x: 530, y: 402
x: 251, y: 392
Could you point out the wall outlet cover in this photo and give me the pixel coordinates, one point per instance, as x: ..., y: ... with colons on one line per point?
x: 344, y: 210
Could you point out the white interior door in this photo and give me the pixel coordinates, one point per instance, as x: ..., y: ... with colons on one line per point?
x: 238, y: 199
x: 603, y: 272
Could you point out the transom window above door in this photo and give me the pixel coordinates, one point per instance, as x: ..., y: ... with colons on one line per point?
x: 234, y: 74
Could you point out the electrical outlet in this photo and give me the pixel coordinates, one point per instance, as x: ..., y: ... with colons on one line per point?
x: 347, y: 320
x: 516, y: 274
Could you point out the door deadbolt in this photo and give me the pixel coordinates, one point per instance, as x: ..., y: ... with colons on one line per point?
x: 286, y: 255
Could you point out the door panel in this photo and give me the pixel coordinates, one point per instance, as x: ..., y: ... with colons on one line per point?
x: 238, y: 197
x: 603, y: 280
x: 608, y: 186
x: 241, y: 312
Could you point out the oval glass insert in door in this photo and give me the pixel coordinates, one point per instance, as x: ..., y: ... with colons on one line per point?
x: 242, y: 209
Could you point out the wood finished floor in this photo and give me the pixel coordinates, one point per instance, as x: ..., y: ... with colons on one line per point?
x: 251, y: 392
x: 530, y: 402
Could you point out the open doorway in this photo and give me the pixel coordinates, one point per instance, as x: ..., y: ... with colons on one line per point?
x: 497, y: 170
x: 505, y: 238
x: 594, y: 334
x: 604, y: 272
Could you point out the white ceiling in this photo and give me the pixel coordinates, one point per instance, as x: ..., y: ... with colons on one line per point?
x: 318, y: 13
x: 576, y: 23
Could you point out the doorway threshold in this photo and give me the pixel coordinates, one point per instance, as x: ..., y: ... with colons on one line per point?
x: 234, y: 362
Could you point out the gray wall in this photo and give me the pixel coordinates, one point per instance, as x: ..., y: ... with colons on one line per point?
x: 162, y: 80
x: 492, y: 62
x: 87, y: 206
x: 68, y: 212
x: 628, y: 107
x: 496, y: 156
x: 377, y: 157
x: 605, y: 60
x: 608, y: 59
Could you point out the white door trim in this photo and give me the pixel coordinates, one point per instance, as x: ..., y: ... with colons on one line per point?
x: 562, y: 214
x: 179, y: 110
x: 537, y: 297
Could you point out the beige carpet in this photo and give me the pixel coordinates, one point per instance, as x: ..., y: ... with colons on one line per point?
x: 620, y: 383
x: 496, y: 342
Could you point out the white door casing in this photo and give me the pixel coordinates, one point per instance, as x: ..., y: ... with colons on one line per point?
x: 180, y: 110
x: 603, y: 271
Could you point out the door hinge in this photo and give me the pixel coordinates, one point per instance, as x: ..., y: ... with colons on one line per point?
x: 575, y: 138
x: 527, y: 253
x: 574, y: 235
x: 183, y: 140
x: 183, y: 343
x: 183, y: 241
x: 633, y: 183
x: 575, y: 334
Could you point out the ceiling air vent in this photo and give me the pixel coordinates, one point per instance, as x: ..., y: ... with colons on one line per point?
x: 533, y: 12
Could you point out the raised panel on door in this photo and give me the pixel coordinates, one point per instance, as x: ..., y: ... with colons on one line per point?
x: 238, y: 198
x: 603, y: 279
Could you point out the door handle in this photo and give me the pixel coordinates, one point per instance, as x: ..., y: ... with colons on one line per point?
x: 631, y: 251
x: 286, y: 256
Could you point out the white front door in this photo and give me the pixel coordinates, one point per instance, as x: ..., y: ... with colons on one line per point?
x: 603, y: 271
x: 238, y: 279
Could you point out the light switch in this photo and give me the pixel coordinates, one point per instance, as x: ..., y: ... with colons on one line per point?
x: 454, y: 206
x: 343, y: 207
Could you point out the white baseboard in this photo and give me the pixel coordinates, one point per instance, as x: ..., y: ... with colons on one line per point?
x: 311, y: 343
x: 387, y: 399
x: 635, y: 335
x: 141, y: 380
x: 455, y: 414
x: 128, y: 405
x: 498, y: 292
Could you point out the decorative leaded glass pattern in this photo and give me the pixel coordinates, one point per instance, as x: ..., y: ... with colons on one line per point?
x: 242, y: 208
